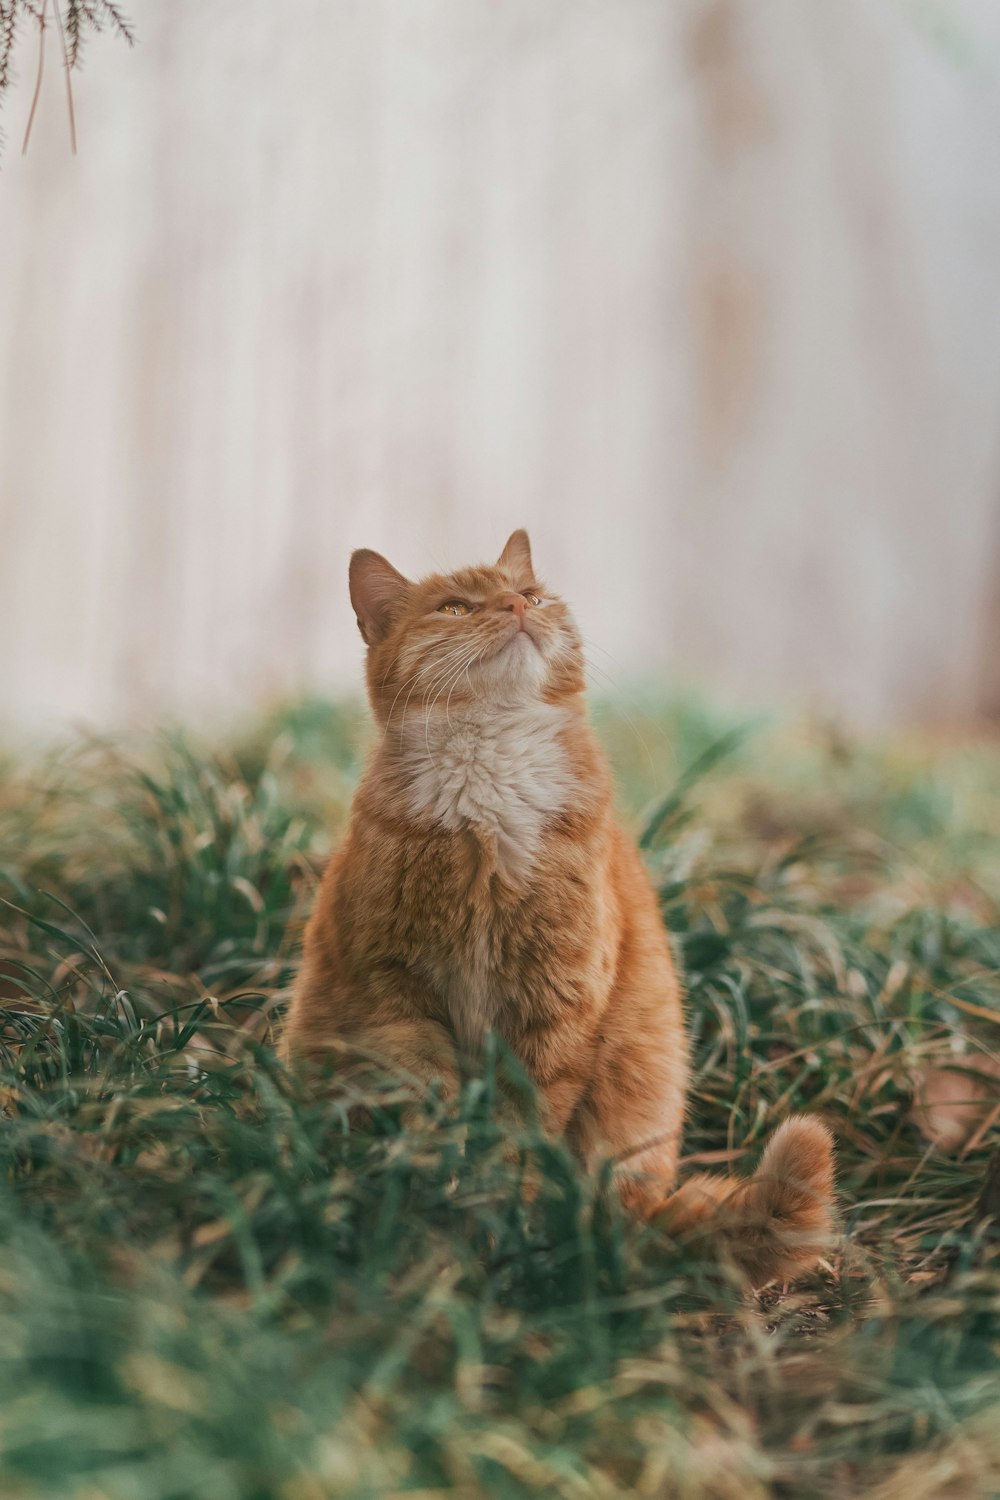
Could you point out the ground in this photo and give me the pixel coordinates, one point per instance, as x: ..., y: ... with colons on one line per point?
x: 212, y: 1289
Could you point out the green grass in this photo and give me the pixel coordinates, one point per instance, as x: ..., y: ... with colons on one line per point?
x: 211, y: 1287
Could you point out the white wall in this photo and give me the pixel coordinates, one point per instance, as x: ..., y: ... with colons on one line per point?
x: 706, y: 294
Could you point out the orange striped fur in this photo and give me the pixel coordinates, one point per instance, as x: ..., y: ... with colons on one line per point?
x: 484, y: 883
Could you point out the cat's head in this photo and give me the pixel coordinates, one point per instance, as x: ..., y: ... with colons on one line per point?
x: 493, y: 634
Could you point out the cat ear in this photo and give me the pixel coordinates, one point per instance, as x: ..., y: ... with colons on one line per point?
x: 516, y: 556
x: 377, y: 590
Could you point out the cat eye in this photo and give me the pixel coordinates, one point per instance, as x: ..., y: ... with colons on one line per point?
x: 454, y: 607
x: 531, y: 598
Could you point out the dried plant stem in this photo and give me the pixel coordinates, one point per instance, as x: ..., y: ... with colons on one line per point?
x: 38, y: 76
x: 69, y: 79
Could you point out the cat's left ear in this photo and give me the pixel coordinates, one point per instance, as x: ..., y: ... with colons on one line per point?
x: 377, y: 592
x: 516, y: 556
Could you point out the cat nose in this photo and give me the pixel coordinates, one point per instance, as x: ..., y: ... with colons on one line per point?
x: 516, y: 603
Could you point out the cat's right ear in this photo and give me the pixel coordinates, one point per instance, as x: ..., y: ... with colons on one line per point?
x: 377, y: 591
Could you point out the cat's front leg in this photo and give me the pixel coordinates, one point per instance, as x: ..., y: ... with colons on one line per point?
x: 558, y: 1054
x: 417, y: 1051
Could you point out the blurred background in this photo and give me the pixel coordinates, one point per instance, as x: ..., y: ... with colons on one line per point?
x: 705, y: 293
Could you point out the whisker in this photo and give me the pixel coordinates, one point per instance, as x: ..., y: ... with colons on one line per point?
x: 468, y: 664
x: 439, y: 674
x: 421, y: 670
x: 395, y: 700
x: 473, y: 659
x: 588, y: 641
x: 448, y: 678
x: 412, y: 682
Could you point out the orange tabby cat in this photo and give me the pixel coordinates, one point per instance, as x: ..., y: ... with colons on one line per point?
x: 484, y: 883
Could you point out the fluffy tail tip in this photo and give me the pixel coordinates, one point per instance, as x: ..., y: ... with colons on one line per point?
x: 780, y: 1222
x: 774, y: 1225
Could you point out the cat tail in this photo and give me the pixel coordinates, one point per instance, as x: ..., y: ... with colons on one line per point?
x: 773, y: 1226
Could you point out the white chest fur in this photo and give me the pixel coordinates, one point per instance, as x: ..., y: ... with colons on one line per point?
x: 500, y: 770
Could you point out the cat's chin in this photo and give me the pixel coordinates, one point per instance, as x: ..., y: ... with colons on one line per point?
x: 520, y: 640
x: 518, y: 664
